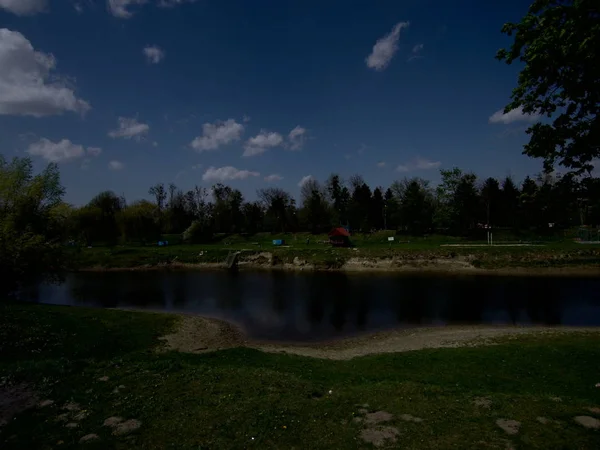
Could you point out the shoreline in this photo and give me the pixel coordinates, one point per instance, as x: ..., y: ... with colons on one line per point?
x: 202, y: 334
x: 446, y: 268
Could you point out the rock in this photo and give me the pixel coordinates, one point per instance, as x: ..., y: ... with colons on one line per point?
x: 112, y: 421
x: 126, y: 427
x: 72, y: 407
x: 71, y: 425
x: 508, y: 425
x: 88, y: 438
x: 588, y: 422
x: 81, y: 415
x: 63, y: 417
x: 594, y: 410
x: 45, y: 403
x: 410, y: 418
x: 104, y: 378
x: 542, y: 420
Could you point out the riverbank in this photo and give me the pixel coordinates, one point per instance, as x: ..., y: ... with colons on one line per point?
x: 550, y: 261
x: 89, y: 378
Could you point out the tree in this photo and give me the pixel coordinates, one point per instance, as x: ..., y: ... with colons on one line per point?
x: 160, y: 194
x: 109, y: 205
x: 30, y: 250
x: 465, y: 201
x: 527, y: 203
x: 416, y: 207
x: 491, y: 198
x: 376, y: 210
x: 277, y: 203
x: 509, y: 201
x: 314, y: 206
x: 139, y: 221
x: 559, y: 42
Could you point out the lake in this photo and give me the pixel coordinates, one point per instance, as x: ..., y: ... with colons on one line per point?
x: 291, y: 306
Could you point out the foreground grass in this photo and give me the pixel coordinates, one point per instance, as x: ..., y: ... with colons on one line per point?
x: 243, y: 398
x: 317, y: 252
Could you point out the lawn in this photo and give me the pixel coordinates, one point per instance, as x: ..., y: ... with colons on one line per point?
x: 553, y: 253
x: 103, y: 364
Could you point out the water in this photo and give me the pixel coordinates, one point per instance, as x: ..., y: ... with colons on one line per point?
x: 315, y: 306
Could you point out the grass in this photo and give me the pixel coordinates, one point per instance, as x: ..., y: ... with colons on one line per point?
x: 555, y: 253
x: 242, y: 398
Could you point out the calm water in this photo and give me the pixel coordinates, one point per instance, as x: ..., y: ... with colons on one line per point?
x: 303, y: 306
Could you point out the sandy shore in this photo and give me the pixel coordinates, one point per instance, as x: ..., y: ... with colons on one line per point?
x: 353, y: 267
x: 197, y: 334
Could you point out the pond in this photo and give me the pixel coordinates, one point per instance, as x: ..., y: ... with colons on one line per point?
x: 286, y: 306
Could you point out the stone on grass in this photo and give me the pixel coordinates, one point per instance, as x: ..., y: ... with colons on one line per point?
x: 594, y: 410
x: 81, y: 415
x: 508, y: 425
x: 112, y: 421
x: 542, y: 420
x: 72, y: 425
x: 588, y: 422
x: 88, y: 438
x: 104, y: 378
x: 45, y: 403
x: 126, y: 427
x: 410, y: 418
x: 71, y: 406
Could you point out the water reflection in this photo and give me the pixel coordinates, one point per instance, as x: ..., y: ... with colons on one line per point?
x: 302, y: 306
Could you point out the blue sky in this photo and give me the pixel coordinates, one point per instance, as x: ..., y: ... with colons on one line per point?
x: 127, y: 93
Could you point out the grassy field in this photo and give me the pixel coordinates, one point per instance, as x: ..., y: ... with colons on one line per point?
x: 102, y: 364
x: 552, y: 253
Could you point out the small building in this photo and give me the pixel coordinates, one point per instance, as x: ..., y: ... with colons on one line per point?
x: 339, y: 237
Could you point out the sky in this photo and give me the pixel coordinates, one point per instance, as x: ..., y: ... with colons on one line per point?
x: 123, y: 94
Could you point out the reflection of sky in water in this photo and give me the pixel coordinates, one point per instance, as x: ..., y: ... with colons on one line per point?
x: 319, y: 306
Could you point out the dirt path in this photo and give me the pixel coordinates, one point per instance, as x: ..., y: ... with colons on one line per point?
x: 200, y: 334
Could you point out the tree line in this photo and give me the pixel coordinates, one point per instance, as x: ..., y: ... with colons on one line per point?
x: 460, y: 205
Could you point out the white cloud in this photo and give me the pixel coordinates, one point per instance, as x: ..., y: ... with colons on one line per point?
x: 24, y: 7
x: 116, y: 165
x: 62, y: 151
x: 154, y: 54
x: 273, y: 177
x: 171, y: 3
x: 26, y: 85
x: 515, y: 115
x: 381, y: 164
x: 385, y: 48
x: 305, y: 180
x: 262, y: 142
x: 416, y: 52
x: 120, y: 8
x: 418, y: 164
x: 130, y: 128
x: 216, y: 134
x: 94, y: 151
x: 297, y: 137
x: 227, y: 173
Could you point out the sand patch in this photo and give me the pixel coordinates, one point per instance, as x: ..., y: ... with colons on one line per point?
x: 379, y: 436
x: 482, y: 402
x: 196, y: 334
x: 14, y: 400
x: 509, y: 426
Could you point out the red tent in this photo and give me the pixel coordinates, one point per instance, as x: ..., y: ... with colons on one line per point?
x: 339, y: 237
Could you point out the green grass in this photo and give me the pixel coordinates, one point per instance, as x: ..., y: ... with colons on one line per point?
x: 552, y: 254
x: 242, y: 398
